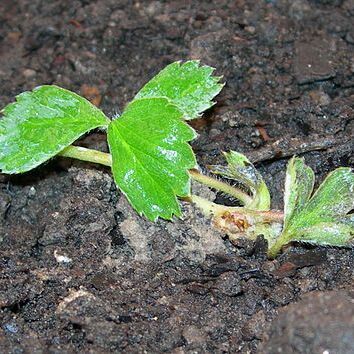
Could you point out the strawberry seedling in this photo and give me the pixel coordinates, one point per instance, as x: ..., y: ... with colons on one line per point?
x: 153, y: 164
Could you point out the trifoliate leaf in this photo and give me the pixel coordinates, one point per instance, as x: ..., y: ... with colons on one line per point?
x: 322, y: 219
x: 189, y: 86
x: 41, y: 124
x: 151, y: 157
x: 240, y: 169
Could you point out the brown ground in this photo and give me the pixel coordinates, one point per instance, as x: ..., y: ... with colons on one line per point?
x: 136, y: 287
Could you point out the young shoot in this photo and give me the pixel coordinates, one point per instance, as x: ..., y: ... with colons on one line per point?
x: 152, y: 162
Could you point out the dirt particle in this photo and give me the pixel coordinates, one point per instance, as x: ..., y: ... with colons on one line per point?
x: 320, y: 98
x: 193, y: 335
x: 61, y: 258
x: 92, y: 93
x: 29, y: 73
x: 313, y: 60
x: 229, y: 284
x: 137, y: 238
x: 319, y: 322
x: 254, y: 326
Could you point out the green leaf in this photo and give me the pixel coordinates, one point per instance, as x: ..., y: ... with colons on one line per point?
x: 41, y: 124
x: 240, y: 169
x: 327, y: 234
x: 189, y: 86
x: 299, y: 183
x: 331, y: 202
x: 151, y: 157
x: 322, y: 219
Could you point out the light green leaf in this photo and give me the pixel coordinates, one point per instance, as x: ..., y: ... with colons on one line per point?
x: 189, y: 86
x: 327, y: 234
x: 331, y: 202
x: 322, y: 219
x: 335, y: 196
x: 240, y: 169
x: 151, y: 157
x: 41, y: 124
x: 299, y: 183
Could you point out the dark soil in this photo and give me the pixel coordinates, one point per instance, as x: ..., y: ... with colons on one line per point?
x: 81, y: 272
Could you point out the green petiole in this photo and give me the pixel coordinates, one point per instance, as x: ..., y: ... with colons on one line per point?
x: 103, y: 158
x: 89, y: 155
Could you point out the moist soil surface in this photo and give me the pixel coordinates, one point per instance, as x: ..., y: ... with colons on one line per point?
x: 81, y: 272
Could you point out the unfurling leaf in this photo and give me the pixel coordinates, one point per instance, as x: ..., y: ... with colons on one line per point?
x: 240, y: 169
x: 299, y: 183
x: 322, y: 219
x: 151, y: 156
x: 188, y: 85
x: 41, y: 124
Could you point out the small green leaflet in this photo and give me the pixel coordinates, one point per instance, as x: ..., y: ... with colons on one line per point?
x: 323, y: 218
x: 151, y: 157
x: 189, y: 86
x: 41, y: 124
x: 240, y: 169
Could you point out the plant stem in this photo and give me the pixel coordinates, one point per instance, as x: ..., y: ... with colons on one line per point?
x: 206, y: 206
x: 83, y: 154
x: 277, y: 246
x: 272, y: 215
x: 221, y: 186
x: 210, y: 208
x: 102, y: 158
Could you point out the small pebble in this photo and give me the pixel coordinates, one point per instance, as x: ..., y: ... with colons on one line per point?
x: 214, y: 132
x: 32, y: 192
x: 320, y: 98
x: 61, y: 258
x: 11, y: 327
x: 29, y: 73
x: 250, y: 29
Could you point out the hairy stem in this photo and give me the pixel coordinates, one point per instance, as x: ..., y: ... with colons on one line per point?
x: 102, y: 158
x: 83, y: 154
x: 221, y: 186
x: 209, y: 208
